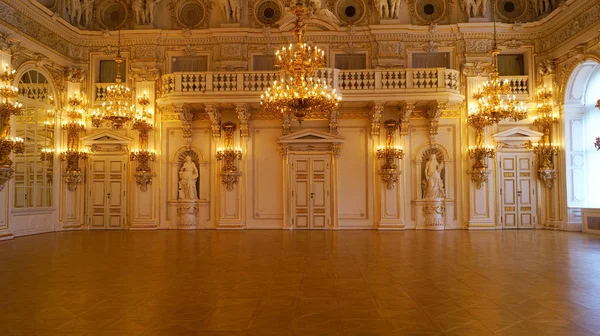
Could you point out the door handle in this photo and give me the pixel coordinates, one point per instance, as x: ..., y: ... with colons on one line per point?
x: 108, y: 195
x: 519, y: 193
x: 312, y: 195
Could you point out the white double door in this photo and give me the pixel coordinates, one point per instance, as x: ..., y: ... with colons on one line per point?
x: 311, y: 191
x: 107, y: 193
x: 518, y: 205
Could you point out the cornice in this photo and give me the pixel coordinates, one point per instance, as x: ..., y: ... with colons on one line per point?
x: 46, y: 29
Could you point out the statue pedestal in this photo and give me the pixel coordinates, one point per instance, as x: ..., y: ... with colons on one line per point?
x: 230, y: 25
x: 433, y: 214
x: 187, y: 214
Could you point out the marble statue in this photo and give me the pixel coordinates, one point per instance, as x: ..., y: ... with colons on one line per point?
x: 388, y: 9
x: 150, y: 10
x: 74, y: 11
x: 323, y: 13
x: 475, y: 8
x: 434, y: 186
x: 188, y: 175
x: 138, y: 11
x: 87, y: 9
x: 231, y: 10
x: 543, y: 6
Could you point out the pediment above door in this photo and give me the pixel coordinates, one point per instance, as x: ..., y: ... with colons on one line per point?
x: 517, y: 138
x: 107, y: 142
x: 310, y: 140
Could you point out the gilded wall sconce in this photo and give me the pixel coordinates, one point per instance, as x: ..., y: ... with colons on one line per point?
x: 479, y: 171
x: 73, y: 155
x: 229, y: 155
x: 143, y: 156
x: 390, y: 154
x: 546, y: 171
x: 8, y: 107
x: 545, y: 151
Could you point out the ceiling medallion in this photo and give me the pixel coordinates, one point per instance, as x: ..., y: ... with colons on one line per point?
x: 299, y: 93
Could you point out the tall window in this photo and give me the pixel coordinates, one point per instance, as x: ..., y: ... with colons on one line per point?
x: 189, y: 64
x: 431, y: 60
x: 108, y: 71
x: 511, y: 65
x: 33, y: 174
x: 351, y: 62
x: 591, y: 123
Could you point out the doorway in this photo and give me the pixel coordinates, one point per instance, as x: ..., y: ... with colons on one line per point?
x: 311, y: 191
x: 107, y: 194
x: 518, y: 206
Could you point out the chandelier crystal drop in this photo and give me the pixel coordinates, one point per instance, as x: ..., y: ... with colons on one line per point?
x: 118, y: 107
x: 300, y: 92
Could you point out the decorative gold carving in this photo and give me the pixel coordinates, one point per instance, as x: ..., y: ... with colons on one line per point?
x: 507, y: 174
x: 525, y: 208
x: 301, y: 211
x: 229, y: 172
x: 510, y: 209
x: 390, y: 154
x: 319, y: 211
x: 523, y: 174
x: 8, y: 107
x: 319, y: 176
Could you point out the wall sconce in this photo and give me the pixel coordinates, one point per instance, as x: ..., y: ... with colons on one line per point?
x: 545, y: 151
x: 390, y: 154
x: 546, y: 171
x: 479, y: 172
x: 8, y: 108
x: 229, y: 172
x: 143, y: 156
x: 73, y: 155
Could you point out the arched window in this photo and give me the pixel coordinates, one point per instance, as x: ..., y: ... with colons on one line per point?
x: 582, y: 126
x: 34, y: 170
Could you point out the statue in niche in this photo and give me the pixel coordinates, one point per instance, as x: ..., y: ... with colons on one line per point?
x: 475, y: 8
x: 433, y: 184
x: 231, y: 10
x: 188, y: 177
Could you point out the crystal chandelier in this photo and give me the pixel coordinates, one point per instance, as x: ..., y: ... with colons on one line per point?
x: 299, y: 93
x: 118, y: 107
x: 8, y: 107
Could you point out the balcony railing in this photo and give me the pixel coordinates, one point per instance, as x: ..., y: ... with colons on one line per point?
x: 519, y: 84
x: 344, y: 80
